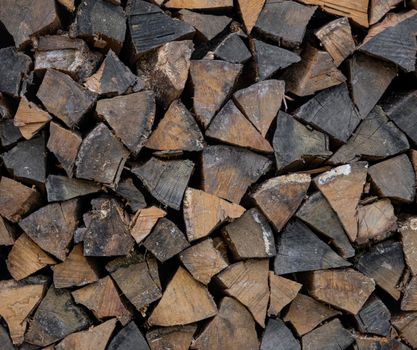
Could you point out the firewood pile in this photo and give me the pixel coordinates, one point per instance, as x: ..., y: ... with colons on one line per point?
x: 208, y: 174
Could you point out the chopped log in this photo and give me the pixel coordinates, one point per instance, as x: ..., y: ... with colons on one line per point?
x: 250, y: 236
x: 103, y: 299
x: 299, y: 249
x: 137, y: 276
x: 107, y: 231
x: 409, y: 300
x: 393, y: 40
x: 133, y: 198
x: 65, y: 98
x: 283, y: 291
x: 331, y: 111
x: 236, y: 279
x: 166, y: 70
x: 332, y: 335
x: 372, y: 343
x: 16, y: 199
x: 374, y: 318
x: 270, y: 59
x: 375, y: 138
x: 177, y: 131
x: 345, y: 289
x: 166, y: 240
x: 203, y: 261
x: 26, y: 18
x: 101, y: 157
x: 348, y: 179
x: 378, y: 9
x: 213, y: 82
x: 317, y: 213
x: 27, y: 160
x: 95, y: 338
x: 129, y: 337
x: 232, y: 49
x: 100, y: 22
x: 406, y: 325
x: 230, y: 126
x: 15, y: 65
x: 64, y: 144
x: 62, y: 188
x: 249, y: 11
x: 296, y: 145
x: 26, y: 258
x: 7, y: 232
x: 232, y: 328
x: 65, y: 54
x: 178, y: 337
x: 285, y: 22
x: 184, y: 301
x: 261, y: 102
x: 19, y: 299
x: 376, y: 221
x: 52, y: 226
x: 150, y: 27
x: 76, y: 270
x: 305, y: 314
x: 144, y: 221
x: 9, y: 133
x: 166, y: 180
x: 387, y: 183
x: 131, y: 117
x: 316, y: 71
x: 29, y: 118
x: 278, y: 337
x: 215, y: 209
x: 241, y: 168
x: 56, y: 317
x: 112, y: 78
x: 199, y: 4
x: 385, y: 264
x: 336, y: 37
x: 278, y: 198
x: 408, y: 230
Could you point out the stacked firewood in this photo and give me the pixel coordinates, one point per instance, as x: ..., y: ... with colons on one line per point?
x: 208, y: 174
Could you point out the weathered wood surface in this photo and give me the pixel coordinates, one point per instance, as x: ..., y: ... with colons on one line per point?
x: 408, y: 230
x: 233, y: 49
x: 62, y: 188
x: 132, y: 196
x: 278, y: 336
x: 178, y: 337
x: 143, y: 222
x: 374, y: 318
x: 130, y: 337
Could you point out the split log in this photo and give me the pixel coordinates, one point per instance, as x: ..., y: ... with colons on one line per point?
x: 261, y: 102
x: 76, y: 270
x: 203, y: 261
x: 26, y: 18
x: 232, y: 49
x: 408, y: 230
x: 16, y: 199
x: 64, y: 144
x: 331, y: 111
x: 9, y: 133
x: 166, y: 180
x: 336, y: 37
x: 178, y: 337
x: 385, y: 264
x: 283, y: 291
x: 137, y: 277
x: 144, y: 221
x: 278, y: 198
x: 378, y: 9
x: 199, y: 4
x: 166, y: 240
x: 100, y: 22
x: 52, y: 226
x: 277, y: 336
x: 296, y: 145
x: 387, y: 183
x: 213, y: 82
x: 129, y: 337
x: 249, y: 11
x: 56, y: 317
x: 345, y: 289
x: 270, y: 59
x: 103, y: 299
x: 177, y: 131
x: 131, y: 195
x: 230, y: 126
x: 374, y: 318
x: 406, y: 325
x: 232, y: 328
x: 150, y: 27
x: 375, y: 138
x: 316, y: 71
x: 215, y: 209
x: 15, y: 65
x: 131, y: 117
x: 184, y: 301
x: 62, y: 188
x: 65, y: 98
x: 7, y: 232
x: 236, y: 279
x: 299, y: 249
x: 26, y: 258
x: 29, y: 118
x: 305, y: 314
x: 348, y: 179
x: 285, y: 22
x: 409, y: 300
x: 101, y: 157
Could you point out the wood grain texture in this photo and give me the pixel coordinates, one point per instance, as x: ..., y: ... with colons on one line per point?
x: 250, y: 10
x: 378, y: 9
x: 130, y: 337
x: 62, y: 188
x: 29, y: 118
x: 279, y: 337
x: 143, y: 222
x: 374, y: 318
x: 282, y: 292
x: 408, y: 230
x: 178, y: 337
x: 233, y: 49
